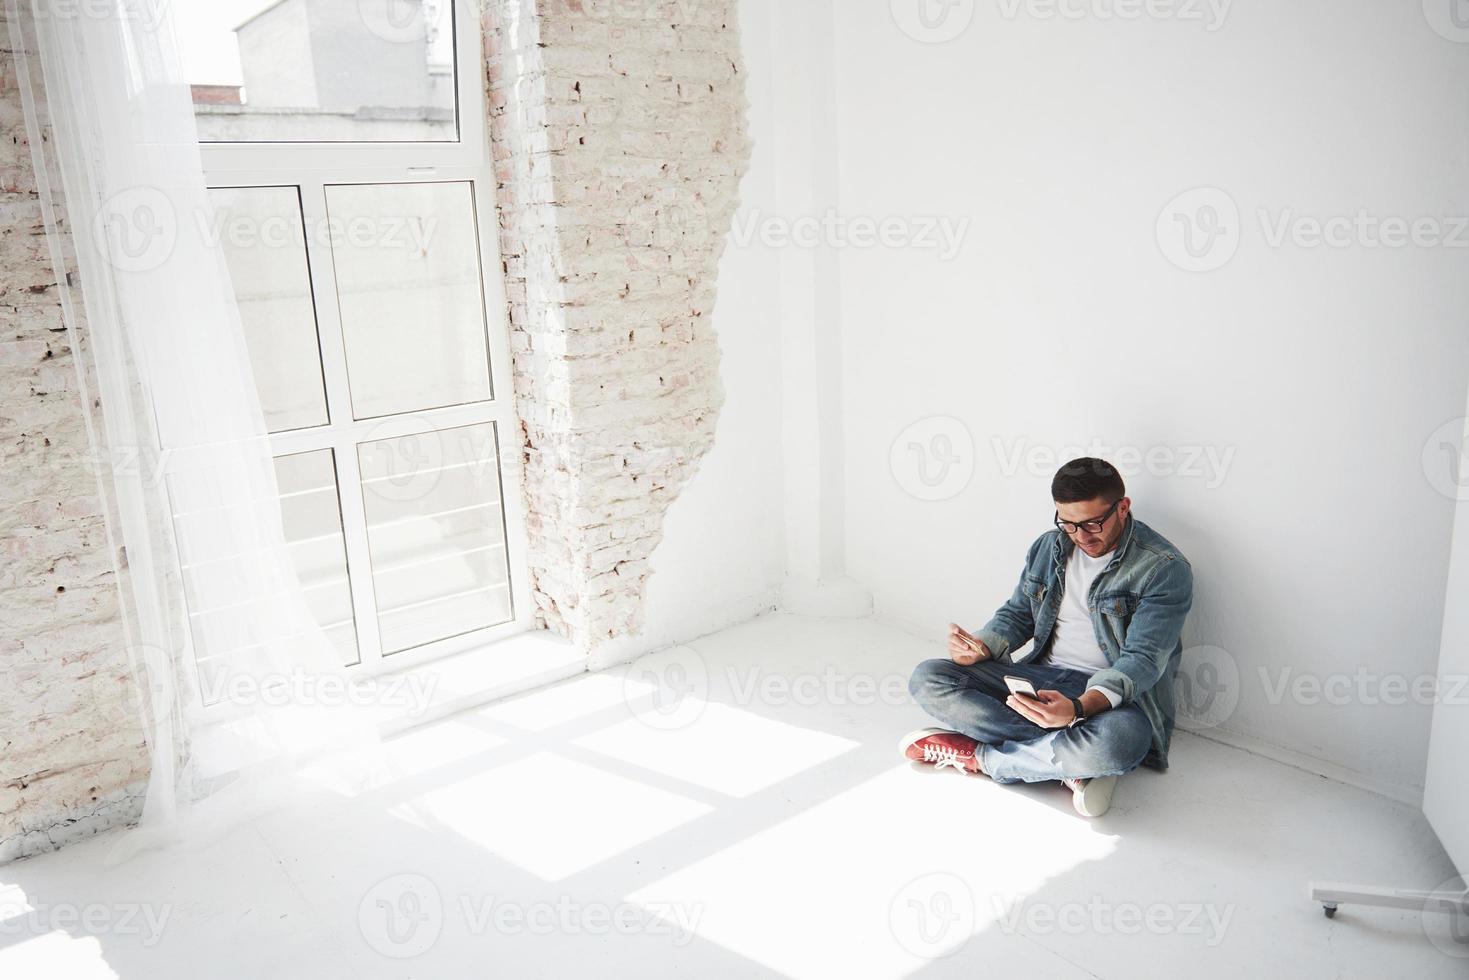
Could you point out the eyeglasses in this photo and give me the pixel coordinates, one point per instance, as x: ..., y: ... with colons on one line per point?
x: 1090, y: 527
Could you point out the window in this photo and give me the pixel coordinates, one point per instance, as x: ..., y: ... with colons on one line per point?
x: 366, y: 270
x: 322, y: 70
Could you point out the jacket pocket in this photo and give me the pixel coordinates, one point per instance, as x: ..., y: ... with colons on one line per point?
x: 1118, y: 605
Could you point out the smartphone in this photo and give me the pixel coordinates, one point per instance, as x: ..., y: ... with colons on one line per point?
x: 970, y: 643
x: 1019, y: 685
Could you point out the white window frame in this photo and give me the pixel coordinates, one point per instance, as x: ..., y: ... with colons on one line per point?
x: 313, y: 166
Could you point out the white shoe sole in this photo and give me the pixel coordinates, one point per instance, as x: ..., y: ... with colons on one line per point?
x: 1095, y: 796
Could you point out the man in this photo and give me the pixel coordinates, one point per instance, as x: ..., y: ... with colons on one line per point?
x: 1104, y: 597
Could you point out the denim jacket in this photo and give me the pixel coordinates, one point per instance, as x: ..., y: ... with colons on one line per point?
x: 1138, y: 604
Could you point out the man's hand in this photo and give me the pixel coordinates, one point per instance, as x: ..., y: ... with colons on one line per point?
x: 965, y: 649
x: 1048, y: 709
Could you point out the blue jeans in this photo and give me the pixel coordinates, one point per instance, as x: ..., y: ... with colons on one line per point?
x: 1013, y: 749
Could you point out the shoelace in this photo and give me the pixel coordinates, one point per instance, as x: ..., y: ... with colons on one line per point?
x: 943, y: 755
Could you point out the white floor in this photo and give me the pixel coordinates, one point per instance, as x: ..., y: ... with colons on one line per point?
x: 747, y: 818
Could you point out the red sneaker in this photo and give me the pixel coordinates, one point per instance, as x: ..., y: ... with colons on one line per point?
x: 940, y: 748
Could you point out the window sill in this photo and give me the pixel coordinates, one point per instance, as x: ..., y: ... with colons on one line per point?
x: 475, y: 677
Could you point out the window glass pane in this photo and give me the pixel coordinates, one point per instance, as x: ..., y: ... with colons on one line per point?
x: 312, y: 518
x: 260, y: 231
x: 436, y: 534
x: 214, y: 576
x: 320, y: 70
x: 411, y: 295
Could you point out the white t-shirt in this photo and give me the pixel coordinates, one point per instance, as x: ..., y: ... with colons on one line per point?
x: 1074, y: 640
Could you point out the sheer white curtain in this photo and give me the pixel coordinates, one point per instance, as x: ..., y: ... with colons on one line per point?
x: 182, y: 444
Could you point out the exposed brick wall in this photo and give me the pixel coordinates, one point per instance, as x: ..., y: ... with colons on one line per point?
x: 619, y: 146
x: 618, y: 129
x: 72, y: 756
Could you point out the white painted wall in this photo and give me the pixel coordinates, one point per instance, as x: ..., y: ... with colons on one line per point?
x: 1317, y: 373
x: 1446, y: 795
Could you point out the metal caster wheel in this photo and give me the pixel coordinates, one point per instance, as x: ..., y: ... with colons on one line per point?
x: 1330, y: 911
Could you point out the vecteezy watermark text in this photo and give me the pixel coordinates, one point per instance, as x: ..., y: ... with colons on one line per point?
x: 1202, y: 229
x: 941, y: 21
x: 668, y: 689
x: 1099, y: 917
x: 1363, y: 686
x: 410, y: 233
x: 1207, y: 463
x: 943, y: 234
x: 404, y: 915
x: 411, y: 692
x: 1210, y: 13
x: 21, y: 917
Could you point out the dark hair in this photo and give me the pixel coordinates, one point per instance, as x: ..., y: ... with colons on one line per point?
x: 1086, y: 479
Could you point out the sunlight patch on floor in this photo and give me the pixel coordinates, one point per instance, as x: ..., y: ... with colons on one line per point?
x: 36, y: 938
x: 553, y: 706
x: 725, y: 749
x: 914, y: 863
x: 414, y: 753
x: 437, y: 746
x: 552, y: 816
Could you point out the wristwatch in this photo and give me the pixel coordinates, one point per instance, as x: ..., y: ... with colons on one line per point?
x: 1080, y: 712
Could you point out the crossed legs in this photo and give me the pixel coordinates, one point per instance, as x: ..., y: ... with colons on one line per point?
x: 971, y: 700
